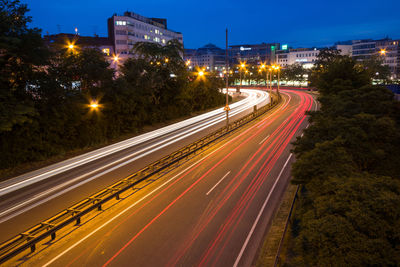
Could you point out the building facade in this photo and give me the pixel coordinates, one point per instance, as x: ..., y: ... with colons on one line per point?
x: 209, y: 57
x: 126, y: 30
x: 303, y: 56
x: 387, y: 49
x: 62, y: 40
x: 253, y: 54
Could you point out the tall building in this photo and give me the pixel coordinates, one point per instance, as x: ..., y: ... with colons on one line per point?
x: 210, y: 57
x: 254, y: 54
x: 126, y: 30
x: 387, y: 49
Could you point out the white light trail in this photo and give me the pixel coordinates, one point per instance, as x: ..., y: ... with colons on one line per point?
x: 201, y: 122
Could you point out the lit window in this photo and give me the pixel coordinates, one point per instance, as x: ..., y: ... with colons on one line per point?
x: 120, y: 23
x: 163, y: 41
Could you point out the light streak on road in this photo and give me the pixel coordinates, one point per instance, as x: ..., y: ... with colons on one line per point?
x: 163, y: 137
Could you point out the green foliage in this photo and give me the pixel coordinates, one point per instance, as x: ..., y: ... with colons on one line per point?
x: 45, y: 93
x: 347, y: 164
x: 294, y: 72
x: 351, y: 222
x: 21, y: 55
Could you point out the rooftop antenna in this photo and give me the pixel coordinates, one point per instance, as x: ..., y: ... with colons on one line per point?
x: 76, y: 31
x: 94, y: 30
x: 59, y: 28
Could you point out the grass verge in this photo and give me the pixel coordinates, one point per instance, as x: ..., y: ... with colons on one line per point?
x: 273, y: 237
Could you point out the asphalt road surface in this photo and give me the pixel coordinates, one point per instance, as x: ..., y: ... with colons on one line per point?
x: 32, y: 197
x: 212, y: 210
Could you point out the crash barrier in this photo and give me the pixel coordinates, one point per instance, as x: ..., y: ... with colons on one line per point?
x: 48, y: 228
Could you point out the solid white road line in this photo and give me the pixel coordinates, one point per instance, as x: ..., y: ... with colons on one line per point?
x: 264, y: 140
x: 144, y: 197
x: 260, y: 213
x: 122, y: 212
x: 218, y: 183
x: 124, y: 160
x: 244, y: 104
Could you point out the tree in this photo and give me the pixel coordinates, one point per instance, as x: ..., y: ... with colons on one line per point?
x: 353, y: 222
x: 294, y: 72
x: 22, y: 54
x: 347, y: 165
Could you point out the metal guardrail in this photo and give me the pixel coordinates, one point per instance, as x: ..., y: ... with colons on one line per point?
x: 278, y: 253
x: 48, y: 228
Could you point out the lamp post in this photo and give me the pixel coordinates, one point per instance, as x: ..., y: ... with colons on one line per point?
x: 226, y: 77
x: 263, y: 67
x: 270, y: 79
x: 278, y: 69
x: 241, y: 67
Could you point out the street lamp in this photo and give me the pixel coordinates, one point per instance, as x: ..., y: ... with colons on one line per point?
x: 270, y: 79
x: 94, y: 105
x: 241, y: 67
x: 278, y: 69
x: 115, y: 58
x: 227, y: 108
x: 383, y: 52
x: 264, y: 67
x: 71, y: 46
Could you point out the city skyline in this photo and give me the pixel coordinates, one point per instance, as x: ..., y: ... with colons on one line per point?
x: 370, y: 20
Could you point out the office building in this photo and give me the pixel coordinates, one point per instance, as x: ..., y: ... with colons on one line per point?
x: 303, y: 56
x: 209, y: 57
x: 253, y: 54
x: 126, y: 30
x: 387, y: 49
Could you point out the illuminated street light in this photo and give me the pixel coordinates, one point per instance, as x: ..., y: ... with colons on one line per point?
x: 262, y: 67
x: 241, y: 67
x: 94, y: 105
x: 277, y: 68
x: 383, y: 52
x: 166, y: 60
x: 200, y: 73
x: 71, y: 46
x: 115, y: 58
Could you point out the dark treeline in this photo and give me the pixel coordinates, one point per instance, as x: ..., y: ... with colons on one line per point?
x: 348, y: 212
x: 45, y: 93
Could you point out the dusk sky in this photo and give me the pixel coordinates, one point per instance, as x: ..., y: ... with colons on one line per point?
x: 298, y: 23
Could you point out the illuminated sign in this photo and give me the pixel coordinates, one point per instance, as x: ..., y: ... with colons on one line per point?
x: 244, y: 48
x: 284, y: 47
x: 272, y: 48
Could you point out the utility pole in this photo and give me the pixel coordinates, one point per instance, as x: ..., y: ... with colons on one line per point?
x: 226, y: 77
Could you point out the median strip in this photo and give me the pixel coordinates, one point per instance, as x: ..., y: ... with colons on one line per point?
x: 48, y: 228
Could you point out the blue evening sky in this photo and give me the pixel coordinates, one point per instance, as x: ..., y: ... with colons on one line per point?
x: 298, y: 23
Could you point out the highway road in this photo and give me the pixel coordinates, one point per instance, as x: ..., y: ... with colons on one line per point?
x: 212, y: 210
x: 32, y: 197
